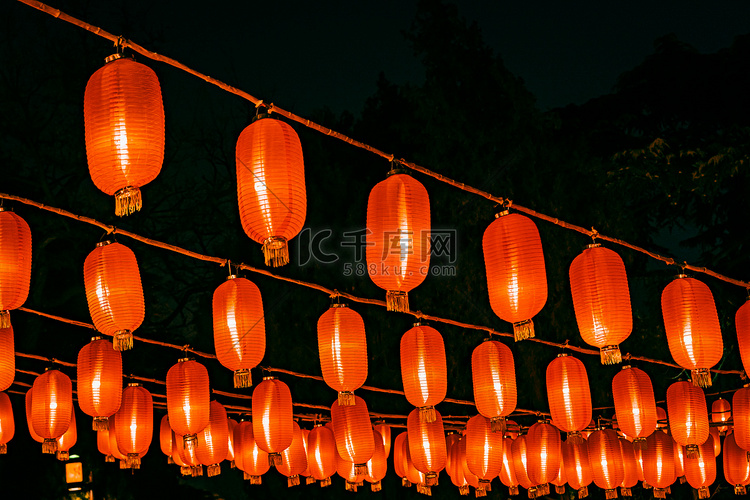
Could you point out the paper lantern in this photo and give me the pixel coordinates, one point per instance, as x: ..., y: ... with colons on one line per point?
x: 661, y: 419
x: 342, y: 349
x: 188, y: 455
x: 273, y: 418
x: 239, y: 327
x: 508, y: 472
x: 68, y: 439
x: 398, y: 241
x: 658, y: 463
x: 512, y: 429
x: 542, y: 455
x: 577, y: 465
x: 114, y: 292
x: 516, y: 276
x: 124, y: 123
x: 188, y: 399
x: 294, y: 457
x: 423, y: 369
x: 15, y: 263
x: 692, y: 327
x: 377, y: 466
x: 484, y: 449
x: 493, y: 376
x: 561, y: 480
x: 455, y: 469
x: 736, y: 465
x: 271, y: 186
x: 134, y: 424
x: 742, y: 324
x: 519, y: 450
x: 114, y: 448
x: 700, y: 472
x: 7, y: 358
x: 213, y: 440
x: 714, y: 432
x: 679, y: 460
x: 29, y: 421
x: 7, y: 423
x: 231, y: 424
x: 688, y: 416
x: 629, y: 467
x: 399, y: 458
x: 321, y: 453
x: 414, y: 475
x: 185, y: 468
x: 601, y: 298
x: 721, y: 411
x: 605, y: 459
x: 427, y: 445
x: 102, y: 444
x: 165, y: 437
x: 385, y: 432
x: 635, y: 406
x: 471, y: 479
x: 248, y: 456
x: 569, y: 395
x: 741, y: 404
x: 353, y: 433
x: 99, y: 381
x: 51, y: 405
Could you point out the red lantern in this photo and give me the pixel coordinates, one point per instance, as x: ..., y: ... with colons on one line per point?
x: 484, y: 449
x: 165, y: 437
x: 470, y: 478
x: 736, y: 465
x: 561, y: 480
x: 114, y: 292
x: 99, y: 384
x: 692, y: 327
x: 385, y: 432
x: 601, y: 299
x: 353, y: 432
x: 114, y: 449
x: 661, y: 419
x: 213, y: 440
x: 342, y: 348
x: 377, y: 465
x: 455, y: 469
x: 273, y: 418
x: 29, y: 421
x: 398, y: 241
x: 321, y: 453
x: 714, y: 432
x: 519, y: 450
x: 742, y: 324
x: 188, y: 399
x: 124, y: 121
x: 741, y: 403
x: 700, y: 472
x: 51, y: 405
x: 102, y: 444
x: 605, y: 459
x: 414, y: 475
x: 629, y: 466
x: 577, y: 465
x: 231, y: 424
x: 508, y: 472
x: 239, y: 327
x: 721, y: 411
x: 543, y: 455
x: 134, y: 424
x: 399, y: 458
x: 427, y: 445
x: 294, y: 458
x: 271, y: 186
x: 635, y: 407
x: 516, y: 276
x: 658, y: 463
x: 7, y: 358
x: 569, y: 395
x: 7, y: 423
x: 15, y: 263
x: 248, y: 456
x: 423, y: 369
x: 68, y: 439
x: 688, y: 416
x: 188, y: 455
x: 494, y: 380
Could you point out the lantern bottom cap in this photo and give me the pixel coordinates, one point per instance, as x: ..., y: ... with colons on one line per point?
x: 610, y: 355
x: 49, y: 446
x: 123, y: 340
x: 701, y: 377
x: 254, y: 480
x: 523, y: 330
x: 275, y: 251
x: 213, y: 470
x: 513, y: 490
x: 376, y: 486
x: 325, y: 482
x: 396, y: 300
x: 463, y: 490
x: 127, y: 201
x: 242, y: 379
x: 100, y: 424
x: 583, y: 492
x: 5, y: 319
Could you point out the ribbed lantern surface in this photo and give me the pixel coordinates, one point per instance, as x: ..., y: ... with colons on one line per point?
x: 516, y: 276
x: 735, y: 464
x: 188, y: 399
x: 601, y: 298
x: 560, y: 480
x: 272, y: 417
x: 605, y: 459
x: 470, y: 478
x: 213, y: 440
x: 398, y: 240
x: 692, y: 327
x: 507, y: 471
x: 635, y: 406
x: 493, y: 376
x: 114, y: 448
x: 271, y: 186
x: 543, y: 454
x: 248, y: 456
x: 321, y: 452
x: 688, y: 416
x: 231, y: 424
x: 165, y: 436
x: 15, y: 263
x: 700, y: 472
x: 414, y: 475
x: 29, y: 420
x: 455, y: 469
x: 423, y: 369
x: 568, y: 394
x: 353, y: 433
x: 7, y: 358
x: 427, y: 445
x: 294, y: 457
x: 114, y: 292
x: 102, y: 444
x: 124, y: 123
x: 385, y: 432
x: 68, y: 439
x: 742, y: 324
x: 51, y: 404
x: 484, y: 448
x: 714, y: 432
x: 342, y: 350
x: 577, y: 465
x: 519, y: 450
x: 721, y: 411
x: 134, y: 423
x: 239, y: 327
x: 399, y: 457
x: 7, y: 422
x: 658, y: 463
x: 99, y: 381
x: 741, y: 421
x: 629, y: 465
x: 377, y: 466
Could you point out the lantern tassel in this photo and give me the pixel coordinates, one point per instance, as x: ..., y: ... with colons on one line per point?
x: 739, y: 489
x: 513, y: 490
x: 275, y: 251
x: 100, y: 423
x: 124, y: 465
x: 640, y: 444
x: 3, y: 449
x: 190, y: 442
x: 197, y: 471
x: 426, y: 490
x: 292, y: 481
x: 346, y: 398
x: 463, y: 490
x: 704, y: 492
x: 111, y: 458
x: 376, y: 486
x: 645, y: 485
x: 275, y: 459
x: 480, y: 492
x: 4, y: 319
x: 660, y: 493
x: 242, y: 379
x: 610, y: 355
x: 683, y: 479
x: 351, y: 486
x: 485, y: 485
x: 213, y: 470
x: 583, y: 492
x: 133, y: 461
x: 396, y: 301
x: 497, y: 424
x: 360, y: 469
x: 626, y: 492
x: 325, y: 482
x: 701, y: 377
x: 542, y: 489
x: 427, y: 414
x: 609, y: 494
x: 170, y: 460
x: 431, y: 479
x: 523, y: 330
x: 123, y: 340
x: 49, y: 446
x: 575, y: 438
x: 405, y: 482
x: 560, y: 489
x: 532, y: 493
x: 63, y: 455
x: 255, y: 480
x: 186, y: 470
x: 692, y: 451
x: 128, y: 201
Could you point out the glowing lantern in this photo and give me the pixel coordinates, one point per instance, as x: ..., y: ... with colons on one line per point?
x: 494, y: 380
x: 114, y: 449
x: 213, y: 440
x: 662, y: 422
x: 601, y: 299
x: 321, y: 453
x: 721, y: 411
x: 736, y: 465
x: 385, y: 432
x: 239, y: 327
x: 508, y: 472
x: 516, y: 276
x: 248, y: 456
x: 342, y: 348
x: 688, y: 416
x: 68, y: 439
x: 29, y: 422
x: 188, y: 455
x: 560, y: 480
x: 679, y: 460
x: 455, y: 468
x: 634, y: 404
x: 605, y: 459
x: 273, y: 418
x: 15, y: 263
x: 7, y: 357
x: 414, y: 475
x: 114, y: 292
x: 742, y: 324
x: 692, y: 327
x: 271, y: 186
x: 471, y: 479
x: 231, y: 424
x: 399, y: 458
x: 7, y: 423
x: 185, y: 468
x: 427, y: 445
x: 377, y: 466
x: 577, y: 465
x: 520, y: 463
x: 512, y: 429
x: 484, y: 449
x: 165, y: 438
x: 658, y: 463
x: 398, y: 240
x: 188, y: 399
x: 124, y: 122
x: 543, y: 455
x: 629, y: 466
x: 353, y: 433
x: 423, y: 369
x: 714, y: 432
x: 569, y: 395
x: 294, y: 458
x: 102, y: 444
x: 700, y: 472
x: 306, y: 473
x: 741, y: 403
x: 134, y: 424
x: 99, y: 384
x: 51, y: 405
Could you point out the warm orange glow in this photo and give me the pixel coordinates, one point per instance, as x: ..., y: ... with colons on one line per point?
x: 342, y: 348
x: 73, y: 472
x: 99, y: 380
x: 423, y: 366
x: 494, y: 379
x: 134, y: 423
x: 426, y: 443
x: 321, y: 452
x: 188, y: 397
x: 721, y: 411
x: 248, y: 456
x: 741, y: 404
x: 688, y: 415
x: 272, y: 415
x: 543, y: 452
x: 605, y: 459
x: 635, y: 407
x: 213, y: 440
x: 568, y: 394
x: 353, y: 431
x: 51, y: 406
x: 294, y: 461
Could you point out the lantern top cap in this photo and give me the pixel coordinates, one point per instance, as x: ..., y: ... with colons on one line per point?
x: 232, y: 277
x: 562, y: 354
x: 269, y: 377
x: 339, y: 305
x: 3, y: 209
x: 681, y: 276
x: 502, y: 213
x: 104, y: 243
x: 134, y: 384
x: 182, y: 360
x: 114, y: 57
x: 95, y: 338
x: 593, y: 245
x: 626, y: 367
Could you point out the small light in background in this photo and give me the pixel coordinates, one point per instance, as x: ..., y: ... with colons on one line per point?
x: 74, y: 472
